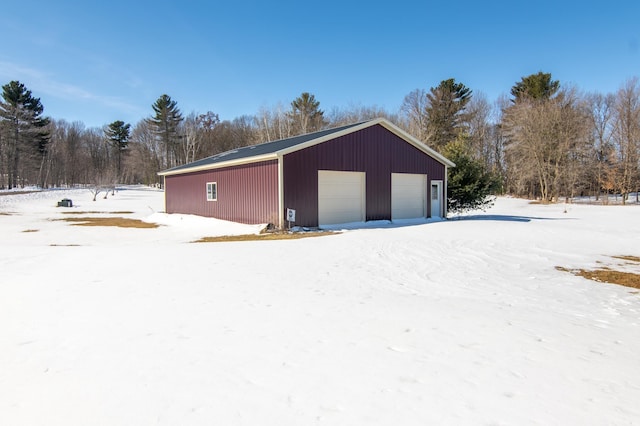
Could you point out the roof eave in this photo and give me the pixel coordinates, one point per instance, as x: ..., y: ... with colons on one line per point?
x: 238, y: 162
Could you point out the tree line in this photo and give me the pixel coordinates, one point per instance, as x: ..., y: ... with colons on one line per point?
x: 544, y: 141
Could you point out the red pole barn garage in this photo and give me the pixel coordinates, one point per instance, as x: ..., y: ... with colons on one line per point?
x: 365, y: 171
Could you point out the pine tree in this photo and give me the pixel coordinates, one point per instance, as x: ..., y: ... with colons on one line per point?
x: 23, y: 128
x: 445, y: 112
x: 117, y: 133
x: 165, y: 122
x: 306, y: 115
x: 538, y: 86
x: 469, y: 185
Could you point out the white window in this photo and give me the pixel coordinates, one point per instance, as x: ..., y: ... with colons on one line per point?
x: 435, y: 193
x: 212, y: 191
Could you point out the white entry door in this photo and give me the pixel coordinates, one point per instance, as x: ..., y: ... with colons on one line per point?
x: 408, y: 195
x: 436, y: 198
x: 341, y: 197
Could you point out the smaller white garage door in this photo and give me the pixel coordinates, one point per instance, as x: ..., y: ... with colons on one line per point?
x: 341, y: 197
x: 408, y: 195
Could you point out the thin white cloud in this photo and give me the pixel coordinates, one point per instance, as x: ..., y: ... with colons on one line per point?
x: 41, y: 82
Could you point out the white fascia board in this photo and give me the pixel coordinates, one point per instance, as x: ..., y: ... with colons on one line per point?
x: 280, y: 192
x: 240, y: 161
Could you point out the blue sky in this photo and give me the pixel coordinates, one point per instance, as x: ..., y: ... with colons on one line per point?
x: 108, y: 61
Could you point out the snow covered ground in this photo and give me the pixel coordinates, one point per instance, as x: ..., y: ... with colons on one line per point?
x: 460, y: 322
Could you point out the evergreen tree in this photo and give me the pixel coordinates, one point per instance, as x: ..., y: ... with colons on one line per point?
x: 165, y: 122
x: 306, y: 115
x: 445, y: 112
x: 117, y: 134
x: 469, y: 185
x: 538, y: 86
x: 23, y: 129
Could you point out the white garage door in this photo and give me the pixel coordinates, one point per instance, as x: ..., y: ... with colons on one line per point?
x: 340, y: 197
x: 408, y: 199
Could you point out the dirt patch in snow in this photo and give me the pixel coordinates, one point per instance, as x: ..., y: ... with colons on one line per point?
x: 97, y: 212
x: 119, y: 222
x: 633, y: 259
x: 263, y: 237
x: 607, y: 274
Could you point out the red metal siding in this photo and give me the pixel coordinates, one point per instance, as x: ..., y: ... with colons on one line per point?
x: 247, y: 193
x: 375, y: 150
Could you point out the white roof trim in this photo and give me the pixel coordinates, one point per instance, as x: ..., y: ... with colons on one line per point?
x: 247, y: 160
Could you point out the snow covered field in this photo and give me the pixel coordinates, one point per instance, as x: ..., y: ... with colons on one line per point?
x: 463, y: 322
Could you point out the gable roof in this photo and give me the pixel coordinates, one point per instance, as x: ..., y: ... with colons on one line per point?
x: 273, y: 150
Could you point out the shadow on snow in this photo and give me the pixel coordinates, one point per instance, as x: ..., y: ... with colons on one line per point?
x: 504, y: 218
x: 384, y: 224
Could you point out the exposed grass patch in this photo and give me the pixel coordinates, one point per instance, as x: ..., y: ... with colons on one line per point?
x: 607, y: 275
x: 271, y: 236
x: 31, y: 230
x: 629, y: 258
x: 5, y: 214
x: 96, y: 212
x: 119, y: 222
x: 64, y: 245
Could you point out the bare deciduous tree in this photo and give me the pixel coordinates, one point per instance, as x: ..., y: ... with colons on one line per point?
x: 146, y: 157
x: 626, y: 136
x: 357, y: 113
x: 600, y: 114
x: 545, y: 140
x: 414, y: 109
x: 478, y: 113
x: 191, y: 137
